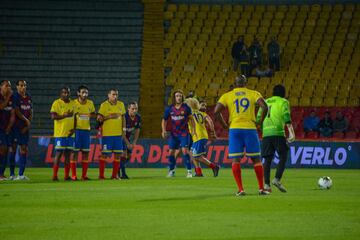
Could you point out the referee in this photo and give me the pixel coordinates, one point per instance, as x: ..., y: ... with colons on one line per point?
x: 273, y: 130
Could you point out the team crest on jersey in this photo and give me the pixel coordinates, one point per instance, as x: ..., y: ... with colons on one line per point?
x: 104, y: 147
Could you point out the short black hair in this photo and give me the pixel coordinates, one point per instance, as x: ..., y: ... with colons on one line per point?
x: 240, y: 81
x: 82, y: 87
x: 18, y: 82
x: 112, y: 89
x: 2, y: 81
x: 132, y: 103
x: 66, y: 88
x: 279, y: 90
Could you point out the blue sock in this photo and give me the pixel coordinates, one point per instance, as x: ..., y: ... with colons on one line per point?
x: 22, y: 164
x: 186, y: 158
x: 172, y: 162
x: 122, y: 167
x: 12, y: 163
x: 2, y: 164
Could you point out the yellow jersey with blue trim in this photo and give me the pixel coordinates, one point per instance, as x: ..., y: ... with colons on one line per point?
x: 200, y: 126
x: 62, y: 127
x: 112, y: 127
x: 241, y: 104
x: 83, y: 113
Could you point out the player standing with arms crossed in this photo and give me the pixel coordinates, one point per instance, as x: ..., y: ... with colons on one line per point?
x: 273, y: 129
x: 62, y: 112
x: 180, y: 115
x: 7, y: 119
x: 84, y: 110
x: 112, y: 116
x: 241, y: 104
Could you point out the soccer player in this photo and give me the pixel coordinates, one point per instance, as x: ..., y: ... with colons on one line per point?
x: 133, y: 124
x: 241, y: 103
x: 180, y: 115
x: 21, y: 128
x: 112, y: 116
x: 62, y: 112
x: 84, y: 110
x: 273, y: 129
x: 7, y: 119
x: 200, y: 140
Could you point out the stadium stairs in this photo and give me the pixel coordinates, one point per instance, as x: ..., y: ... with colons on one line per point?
x: 55, y: 43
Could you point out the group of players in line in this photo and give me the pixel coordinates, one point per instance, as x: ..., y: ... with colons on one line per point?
x: 184, y: 125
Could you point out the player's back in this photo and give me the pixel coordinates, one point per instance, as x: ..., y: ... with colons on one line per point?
x: 241, y: 103
x: 278, y: 115
x: 200, y: 126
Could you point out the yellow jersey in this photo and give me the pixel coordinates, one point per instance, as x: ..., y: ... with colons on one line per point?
x: 62, y: 127
x: 112, y: 127
x: 200, y: 126
x: 83, y: 114
x: 241, y: 105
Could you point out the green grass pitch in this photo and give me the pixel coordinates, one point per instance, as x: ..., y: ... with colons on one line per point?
x: 150, y: 206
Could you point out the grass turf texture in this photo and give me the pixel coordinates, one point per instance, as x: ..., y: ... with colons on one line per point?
x: 150, y: 206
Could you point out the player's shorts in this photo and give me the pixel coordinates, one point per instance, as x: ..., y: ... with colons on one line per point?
x: 64, y: 143
x: 178, y: 141
x: 274, y: 143
x: 20, y: 138
x: 112, y: 144
x: 199, y: 148
x: 5, y: 139
x: 82, y: 140
x: 243, y: 138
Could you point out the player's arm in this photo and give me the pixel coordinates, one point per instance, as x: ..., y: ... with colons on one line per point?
x: 4, y: 103
x: 56, y: 116
x: 193, y: 126
x: 164, y: 121
x: 219, y: 117
x: 211, y: 126
x: 11, y: 122
x: 287, y: 119
x: 264, y: 109
x: 124, y: 131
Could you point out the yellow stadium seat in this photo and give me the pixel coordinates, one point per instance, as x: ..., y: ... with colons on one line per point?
x: 271, y: 8
x: 317, y: 101
x: 172, y: 7
x: 305, y: 101
x: 329, y: 101
x: 204, y: 8
x: 238, y: 8
x: 294, y: 101
x: 341, y: 102
x: 354, y: 102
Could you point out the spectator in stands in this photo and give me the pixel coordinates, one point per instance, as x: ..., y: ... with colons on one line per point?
x: 311, y: 122
x: 274, y: 54
x: 340, y: 123
x: 326, y: 125
x: 255, y: 54
x: 235, y: 52
x: 240, y: 56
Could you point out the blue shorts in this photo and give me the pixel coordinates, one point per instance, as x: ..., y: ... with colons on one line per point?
x: 178, y: 141
x: 20, y: 138
x: 64, y: 143
x: 240, y: 138
x: 190, y: 141
x: 199, y: 148
x: 112, y: 144
x: 82, y: 140
x: 5, y: 139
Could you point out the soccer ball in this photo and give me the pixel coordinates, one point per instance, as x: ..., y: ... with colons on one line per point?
x: 325, y: 183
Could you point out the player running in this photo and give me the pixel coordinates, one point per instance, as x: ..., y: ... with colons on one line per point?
x: 7, y: 119
x: 241, y: 104
x: 201, y: 139
x: 273, y: 129
x: 84, y: 110
x: 62, y: 112
x: 180, y: 115
x: 21, y: 129
x: 133, y: 125
x: 112, y: 116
